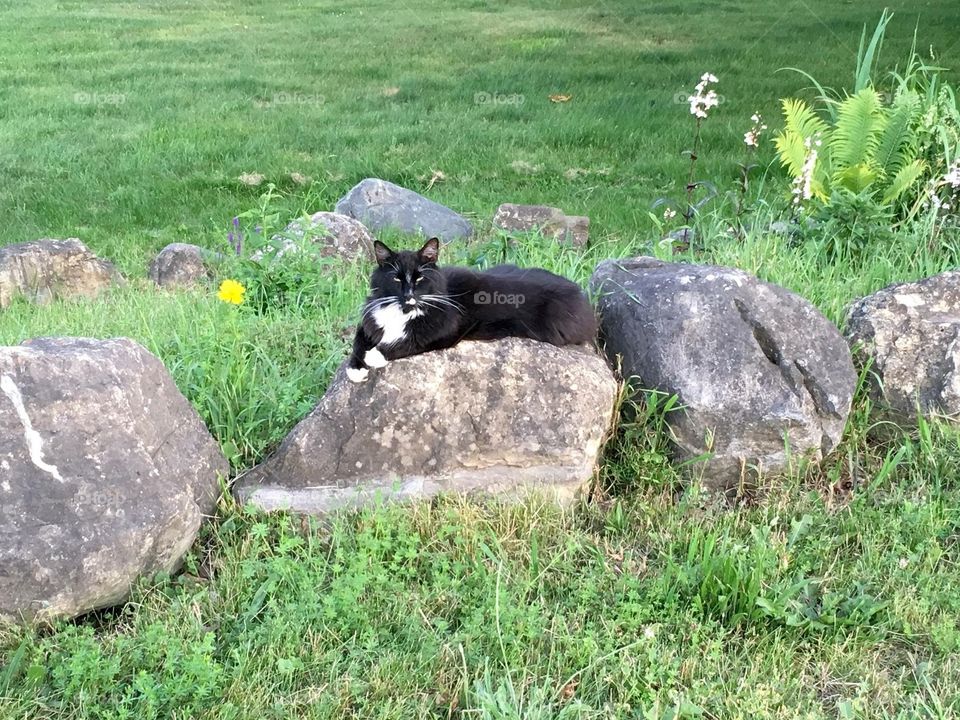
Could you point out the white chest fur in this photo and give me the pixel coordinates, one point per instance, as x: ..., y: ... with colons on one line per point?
x: 393, y: 321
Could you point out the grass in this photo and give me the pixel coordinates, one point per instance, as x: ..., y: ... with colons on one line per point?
x: 834, y: 594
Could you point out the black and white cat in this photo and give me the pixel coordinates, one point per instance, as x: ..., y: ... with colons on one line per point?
x: 415, y: 306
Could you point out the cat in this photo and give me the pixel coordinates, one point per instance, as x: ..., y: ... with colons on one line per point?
x: 415, y: 306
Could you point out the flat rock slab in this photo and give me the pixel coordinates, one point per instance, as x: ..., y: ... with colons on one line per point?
x: 106, y: 472
x: 182, y: 265
x: 909, y: 334
x: 381, y: 205
x: 503, y: 417
x: 326, y: 234
x: 46, y: 269
x: 550, y: 221
x: 755, y: 366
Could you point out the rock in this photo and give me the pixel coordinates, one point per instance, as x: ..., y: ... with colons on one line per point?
x: 911, y: 334
x: 783, y: 227
x: 182, y: 265
x: 752, y: 364
x: 792, y: 228
x: 44, y: 269
x: 503, y: 417
x: 379, y: 205
x: 106, y: 472
x: 334, y: 235
x: 550, y: 221
x: 680, y: 240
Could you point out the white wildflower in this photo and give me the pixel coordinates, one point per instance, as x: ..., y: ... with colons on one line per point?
x: 803, y: 185
x: 669, y: 214
x: 704, y: 98
x: 952, y: 177
x: 752, y: 137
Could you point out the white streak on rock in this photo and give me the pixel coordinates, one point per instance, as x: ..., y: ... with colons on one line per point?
x: 31, y: 436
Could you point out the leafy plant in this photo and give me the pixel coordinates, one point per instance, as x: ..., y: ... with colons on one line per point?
x: 870, y: 148
x: 849, y: 223
x: 939, y: 127
x: 638, y: 454
x: 723, y: 579
x: 882, y: 152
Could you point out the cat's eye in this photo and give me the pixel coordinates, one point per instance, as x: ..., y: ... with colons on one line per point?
x: 418, y: 280
x: 396, y: 279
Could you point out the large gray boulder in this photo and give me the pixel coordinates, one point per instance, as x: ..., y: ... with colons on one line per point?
x: 106, y: 473
x: 182, y: 265
x: 325, y: 234
x: 381, y: 205
x: 756, y: 368
x: 909, y: 334
x: 44, y: 269
x: 550, y: 221
x: 502, y: 417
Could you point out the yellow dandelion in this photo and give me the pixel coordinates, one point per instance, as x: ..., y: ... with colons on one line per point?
x: 231, y: 292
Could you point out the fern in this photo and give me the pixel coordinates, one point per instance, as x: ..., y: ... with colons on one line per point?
x: 856, y: 178
x: 874, y: 158
x: 898, y: 143
x: 860, y: 122
x: 801, y: 123
x: 905, y: 179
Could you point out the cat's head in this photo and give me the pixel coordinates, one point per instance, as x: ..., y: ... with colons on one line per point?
x: 407, y: 275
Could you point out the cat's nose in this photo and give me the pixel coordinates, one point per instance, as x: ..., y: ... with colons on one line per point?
x: 411, y: 300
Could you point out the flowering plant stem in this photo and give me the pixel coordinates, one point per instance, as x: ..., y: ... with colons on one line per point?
x: 691, y: 184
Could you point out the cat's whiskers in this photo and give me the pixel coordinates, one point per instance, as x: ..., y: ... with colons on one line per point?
x: 445, y: 300
x: 375, y: 305
x: 428, y: 304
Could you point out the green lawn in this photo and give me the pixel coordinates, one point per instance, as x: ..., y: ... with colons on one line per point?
x: 834, y: 594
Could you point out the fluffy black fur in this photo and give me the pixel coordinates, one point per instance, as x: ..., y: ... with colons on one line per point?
x: 438, y: 307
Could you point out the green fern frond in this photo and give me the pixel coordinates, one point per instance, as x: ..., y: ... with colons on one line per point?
x: 860, y: 122
x: 857, y: 178
x: 904, y: 180
x: 791, y: 150
x: 818, y: 189
x: 801, y: 122
x: 801, y: 118
x: 898, y: 142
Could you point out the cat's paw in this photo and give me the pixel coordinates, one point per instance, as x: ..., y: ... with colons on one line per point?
x: 374, y: 359
x: 357, y: 375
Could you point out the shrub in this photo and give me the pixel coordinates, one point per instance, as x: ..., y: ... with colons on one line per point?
x: 868, y: 161
x: 871, y: 150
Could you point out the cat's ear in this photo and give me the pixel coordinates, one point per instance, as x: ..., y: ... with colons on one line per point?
x: 382, y: 252
x: 430, y: 252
